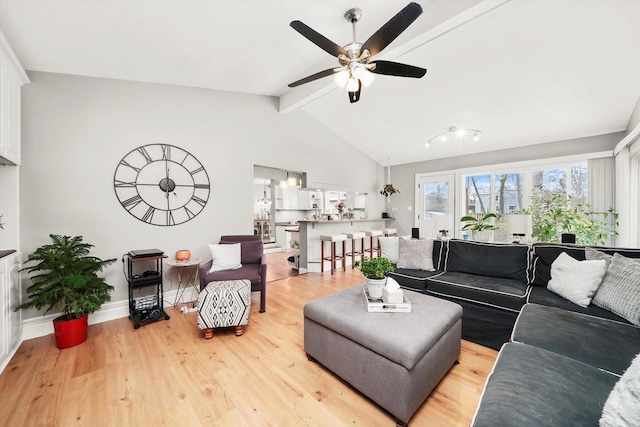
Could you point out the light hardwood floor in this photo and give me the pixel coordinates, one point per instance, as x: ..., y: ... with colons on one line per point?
x: 165, y: 373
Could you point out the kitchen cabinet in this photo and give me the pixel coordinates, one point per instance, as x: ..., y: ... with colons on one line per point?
x: 290, y: 198
x: 12, y: 77
x: 10, y: 296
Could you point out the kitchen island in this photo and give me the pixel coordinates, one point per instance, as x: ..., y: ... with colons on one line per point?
x: 311, y: 230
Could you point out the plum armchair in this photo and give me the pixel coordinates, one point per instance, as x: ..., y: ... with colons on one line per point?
x: 254, y: 266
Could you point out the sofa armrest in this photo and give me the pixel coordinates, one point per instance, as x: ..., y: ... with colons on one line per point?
x: 202, y: 272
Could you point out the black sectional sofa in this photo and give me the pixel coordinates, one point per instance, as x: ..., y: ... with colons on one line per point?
x: 493, y: 281
x: 558, y: 361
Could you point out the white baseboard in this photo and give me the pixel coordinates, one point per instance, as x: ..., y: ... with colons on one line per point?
x: 40, y: 326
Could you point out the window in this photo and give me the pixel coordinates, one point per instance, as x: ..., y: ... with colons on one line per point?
x: 478, y: 194
x: 436, y: 197
x: 509, y: 192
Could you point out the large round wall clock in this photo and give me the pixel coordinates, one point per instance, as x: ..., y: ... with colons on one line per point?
x: 161, y: 184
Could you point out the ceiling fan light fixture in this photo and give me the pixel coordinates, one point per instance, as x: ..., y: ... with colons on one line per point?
x: 367, y: 78
x: 352, y: 85
x: 341, y: 78
x: 355, y: 57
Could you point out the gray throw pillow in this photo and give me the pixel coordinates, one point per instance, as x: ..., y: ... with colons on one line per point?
x: 592, y: 254
x: 620, y: 289
x: 621, y: 407
x: 416, y: 254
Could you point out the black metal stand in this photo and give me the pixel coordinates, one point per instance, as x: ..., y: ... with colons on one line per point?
x: 150, y: 307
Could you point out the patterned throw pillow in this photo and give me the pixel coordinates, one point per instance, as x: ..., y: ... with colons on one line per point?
x: 620, y: 289
x: 416, y: 254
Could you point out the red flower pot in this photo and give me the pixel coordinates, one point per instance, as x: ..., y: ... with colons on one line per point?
x: 70, y: 332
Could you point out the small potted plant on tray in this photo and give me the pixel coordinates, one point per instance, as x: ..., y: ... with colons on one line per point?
x: 66, y: 279
x: 375, y: 271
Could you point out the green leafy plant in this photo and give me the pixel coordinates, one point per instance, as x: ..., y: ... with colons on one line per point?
x: 554, y: 214
x: 1, y: 223
x: 480, y: 224
x: 388, y: 190
x: 375, y: 268
x: 66, y: 278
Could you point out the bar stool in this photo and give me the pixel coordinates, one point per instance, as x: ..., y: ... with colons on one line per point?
x: 333, y: 257
x: 389, y: 232
x: 354, y: 237
x: 371, y: 234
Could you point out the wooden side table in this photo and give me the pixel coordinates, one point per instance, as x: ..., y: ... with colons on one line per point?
x: 187, y: 275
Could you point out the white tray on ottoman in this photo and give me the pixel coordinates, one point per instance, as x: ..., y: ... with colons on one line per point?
x: 395, y: 359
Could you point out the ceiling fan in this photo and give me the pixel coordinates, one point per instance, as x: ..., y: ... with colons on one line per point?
x: 356, y: 67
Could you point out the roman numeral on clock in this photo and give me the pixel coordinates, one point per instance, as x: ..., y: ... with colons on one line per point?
x: 131, y: 202
x: 145, y: 154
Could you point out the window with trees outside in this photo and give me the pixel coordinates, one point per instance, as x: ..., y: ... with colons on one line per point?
x: 509, y: 192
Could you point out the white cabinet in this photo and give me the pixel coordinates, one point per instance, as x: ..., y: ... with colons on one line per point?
x: 10, y: 296
x: 304, y: 200
x: 287, y: 198
x: 12, y: 77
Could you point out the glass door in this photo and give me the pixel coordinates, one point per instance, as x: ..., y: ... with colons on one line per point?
x: 436, y: 205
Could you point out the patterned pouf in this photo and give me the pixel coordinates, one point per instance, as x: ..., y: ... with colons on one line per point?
x: 223, y: 304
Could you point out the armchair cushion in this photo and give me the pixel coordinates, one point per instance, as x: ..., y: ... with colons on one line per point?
x: 250, y: 252
x: 225, y: 257
x: 249, y: 272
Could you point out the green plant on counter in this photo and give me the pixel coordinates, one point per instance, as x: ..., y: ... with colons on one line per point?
x: 1, y: 223
x: 480, y: 224
x: 553, y: 215
x: 375, y: 268
x: 66, y: 278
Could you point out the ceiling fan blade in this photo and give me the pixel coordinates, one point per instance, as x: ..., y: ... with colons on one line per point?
x: 318, y: 39
x: 355, y: 96
x: 315, y: 76
x: 396, y: 69
x: 392, y: 29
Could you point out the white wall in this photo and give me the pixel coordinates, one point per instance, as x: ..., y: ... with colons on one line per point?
x: 403, y: 176
x: 77, y: 129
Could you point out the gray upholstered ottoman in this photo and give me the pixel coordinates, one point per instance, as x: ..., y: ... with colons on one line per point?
x: 395, y: 359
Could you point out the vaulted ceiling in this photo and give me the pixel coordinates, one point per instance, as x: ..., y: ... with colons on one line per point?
x: 522, y: 71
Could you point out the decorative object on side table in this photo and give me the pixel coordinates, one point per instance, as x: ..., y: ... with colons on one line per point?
x: 67, y: 279
x: 183, y: 255
x: 375, y: 272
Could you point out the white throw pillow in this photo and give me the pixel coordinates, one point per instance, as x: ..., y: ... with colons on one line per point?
x: 576, y: 280
x: 390, y: 248
x: 225, y: 257
x: 622, y: 405
x: 416, y: 254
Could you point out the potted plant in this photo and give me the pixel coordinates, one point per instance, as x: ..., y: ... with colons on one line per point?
x: 65, y: 278
x: 480, y: 227
x: 388, y: 190
x: 556, y: 214
x: 375, y: 272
